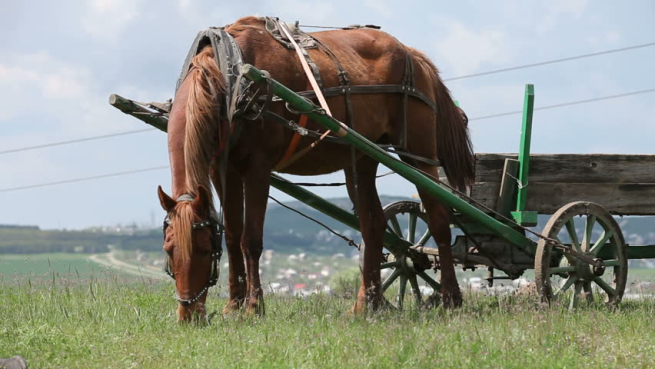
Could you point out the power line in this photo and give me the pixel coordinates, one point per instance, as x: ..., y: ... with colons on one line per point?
x: 91, y: 138
x: 567, y: 104
x: 117, y: 174
x: 553, y: 61
x: 554, y: 106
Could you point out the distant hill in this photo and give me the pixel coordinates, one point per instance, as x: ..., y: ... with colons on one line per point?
x: 284, y: 231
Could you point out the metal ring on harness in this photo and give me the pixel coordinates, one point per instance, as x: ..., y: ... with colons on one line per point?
x: 315, y: 109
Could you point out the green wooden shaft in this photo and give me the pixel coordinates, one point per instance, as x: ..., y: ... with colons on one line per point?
x: 524, y: 148
x: 406, y: 171
x: 391, y: 242
x: 351, y: 220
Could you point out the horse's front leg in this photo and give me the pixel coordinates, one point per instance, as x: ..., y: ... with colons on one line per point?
x: 232, y: 203
x: 256, y: 186
x: 371, y: 222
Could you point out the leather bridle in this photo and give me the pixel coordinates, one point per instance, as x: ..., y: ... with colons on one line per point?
x: 213, y: 222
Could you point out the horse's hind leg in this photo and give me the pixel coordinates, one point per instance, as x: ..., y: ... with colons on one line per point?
x: 439, y: 224
x: 371, y: 223
x: 232, y: 204
x: 256, y: 186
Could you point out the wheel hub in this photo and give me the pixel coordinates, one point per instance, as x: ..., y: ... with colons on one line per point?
x: 587, y: 272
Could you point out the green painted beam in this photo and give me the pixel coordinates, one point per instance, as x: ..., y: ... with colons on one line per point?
x: 521, y: 216
x: 634, y: 252
x: 406, y: 171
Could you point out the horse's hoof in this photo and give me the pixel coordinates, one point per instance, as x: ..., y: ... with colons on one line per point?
x: 452, y: 300
x: 358, y: 309
x: 231, y: 307
x: 255, y: 308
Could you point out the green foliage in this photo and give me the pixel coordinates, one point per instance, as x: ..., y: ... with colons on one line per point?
x: 87, y: 323
x: 33, y: 241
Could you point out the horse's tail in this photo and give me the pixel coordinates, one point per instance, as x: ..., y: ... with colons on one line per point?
x: 202, y: 120
x: 454, y: 147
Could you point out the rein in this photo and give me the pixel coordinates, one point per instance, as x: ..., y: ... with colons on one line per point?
x: 214, y: 222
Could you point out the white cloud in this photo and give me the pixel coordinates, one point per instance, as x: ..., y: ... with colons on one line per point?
x: 380, y: 6
x: 34, y: 79
x: 106, y: 20
x: 307, y: 12
x: 465, y: 49
x: 576, y: 8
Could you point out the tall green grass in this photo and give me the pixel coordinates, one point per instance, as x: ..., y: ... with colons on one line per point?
x: 126, y: 323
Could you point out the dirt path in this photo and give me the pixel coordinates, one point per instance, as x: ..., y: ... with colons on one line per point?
x: 109, y: 261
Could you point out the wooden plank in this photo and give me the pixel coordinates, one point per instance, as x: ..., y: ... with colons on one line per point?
x: 573, y: 168
x: 507, y: 193
x: 546, y: 198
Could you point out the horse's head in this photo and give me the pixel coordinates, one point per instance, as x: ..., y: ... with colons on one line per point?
x: 193, y: 249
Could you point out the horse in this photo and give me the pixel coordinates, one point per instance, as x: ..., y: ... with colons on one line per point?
x: 370, y: 57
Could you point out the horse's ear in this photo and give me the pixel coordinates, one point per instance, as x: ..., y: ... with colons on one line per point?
x: 201, y: 203
x: 167, y: 203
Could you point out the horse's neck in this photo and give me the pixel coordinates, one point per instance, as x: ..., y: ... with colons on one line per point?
x: 176, y: 157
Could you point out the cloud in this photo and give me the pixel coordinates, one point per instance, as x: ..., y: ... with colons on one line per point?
x: 106, y: 20
x: 29, y: 80
x: 380, y: 6
x: 465, y: 49
x: 575, y: 8
x: 307, y: 12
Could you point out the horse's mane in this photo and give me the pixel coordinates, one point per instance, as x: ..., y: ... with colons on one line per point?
x: 202, y: 108
x: 454, y: 147
x: 182, y: 221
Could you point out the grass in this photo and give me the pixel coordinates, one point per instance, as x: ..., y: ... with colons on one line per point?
x: 39, y: 266
x: 123, y: 323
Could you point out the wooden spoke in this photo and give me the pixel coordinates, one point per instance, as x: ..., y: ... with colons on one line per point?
x: 612, y: 262
x: 576, y: 296
x: 396, y: 273
x: 570, y: 227
x: 588, y: 292
x: 396, y: 226
x: 429, y: 280
x: 391, y: 264
x: 601, y: 242
x: 606, y: 287
x: 401, y: 290
x: 417, y: 291
x: 564, y: 269
x: 551, y: 268
x: 424, y: 238
x: 569, y: 282
x: 588, y: 229
x: 411, y: 227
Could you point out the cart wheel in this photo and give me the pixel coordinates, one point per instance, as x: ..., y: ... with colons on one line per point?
x: 404, y: 219
x: 566, y: 279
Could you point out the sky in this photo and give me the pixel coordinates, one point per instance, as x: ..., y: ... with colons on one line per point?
x: 60, y: 61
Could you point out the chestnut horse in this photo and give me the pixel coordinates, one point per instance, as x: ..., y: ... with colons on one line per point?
x: 370, y: 57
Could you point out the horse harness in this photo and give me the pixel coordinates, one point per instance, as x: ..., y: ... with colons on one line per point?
x: 245, y: 100
x: 248, y: 101
x: 213, y: 222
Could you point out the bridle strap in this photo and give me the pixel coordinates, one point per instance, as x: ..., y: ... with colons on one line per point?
x: 185, y: 197
x: 214, y: 221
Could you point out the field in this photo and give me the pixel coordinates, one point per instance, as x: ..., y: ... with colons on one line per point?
x: 103, y: 320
